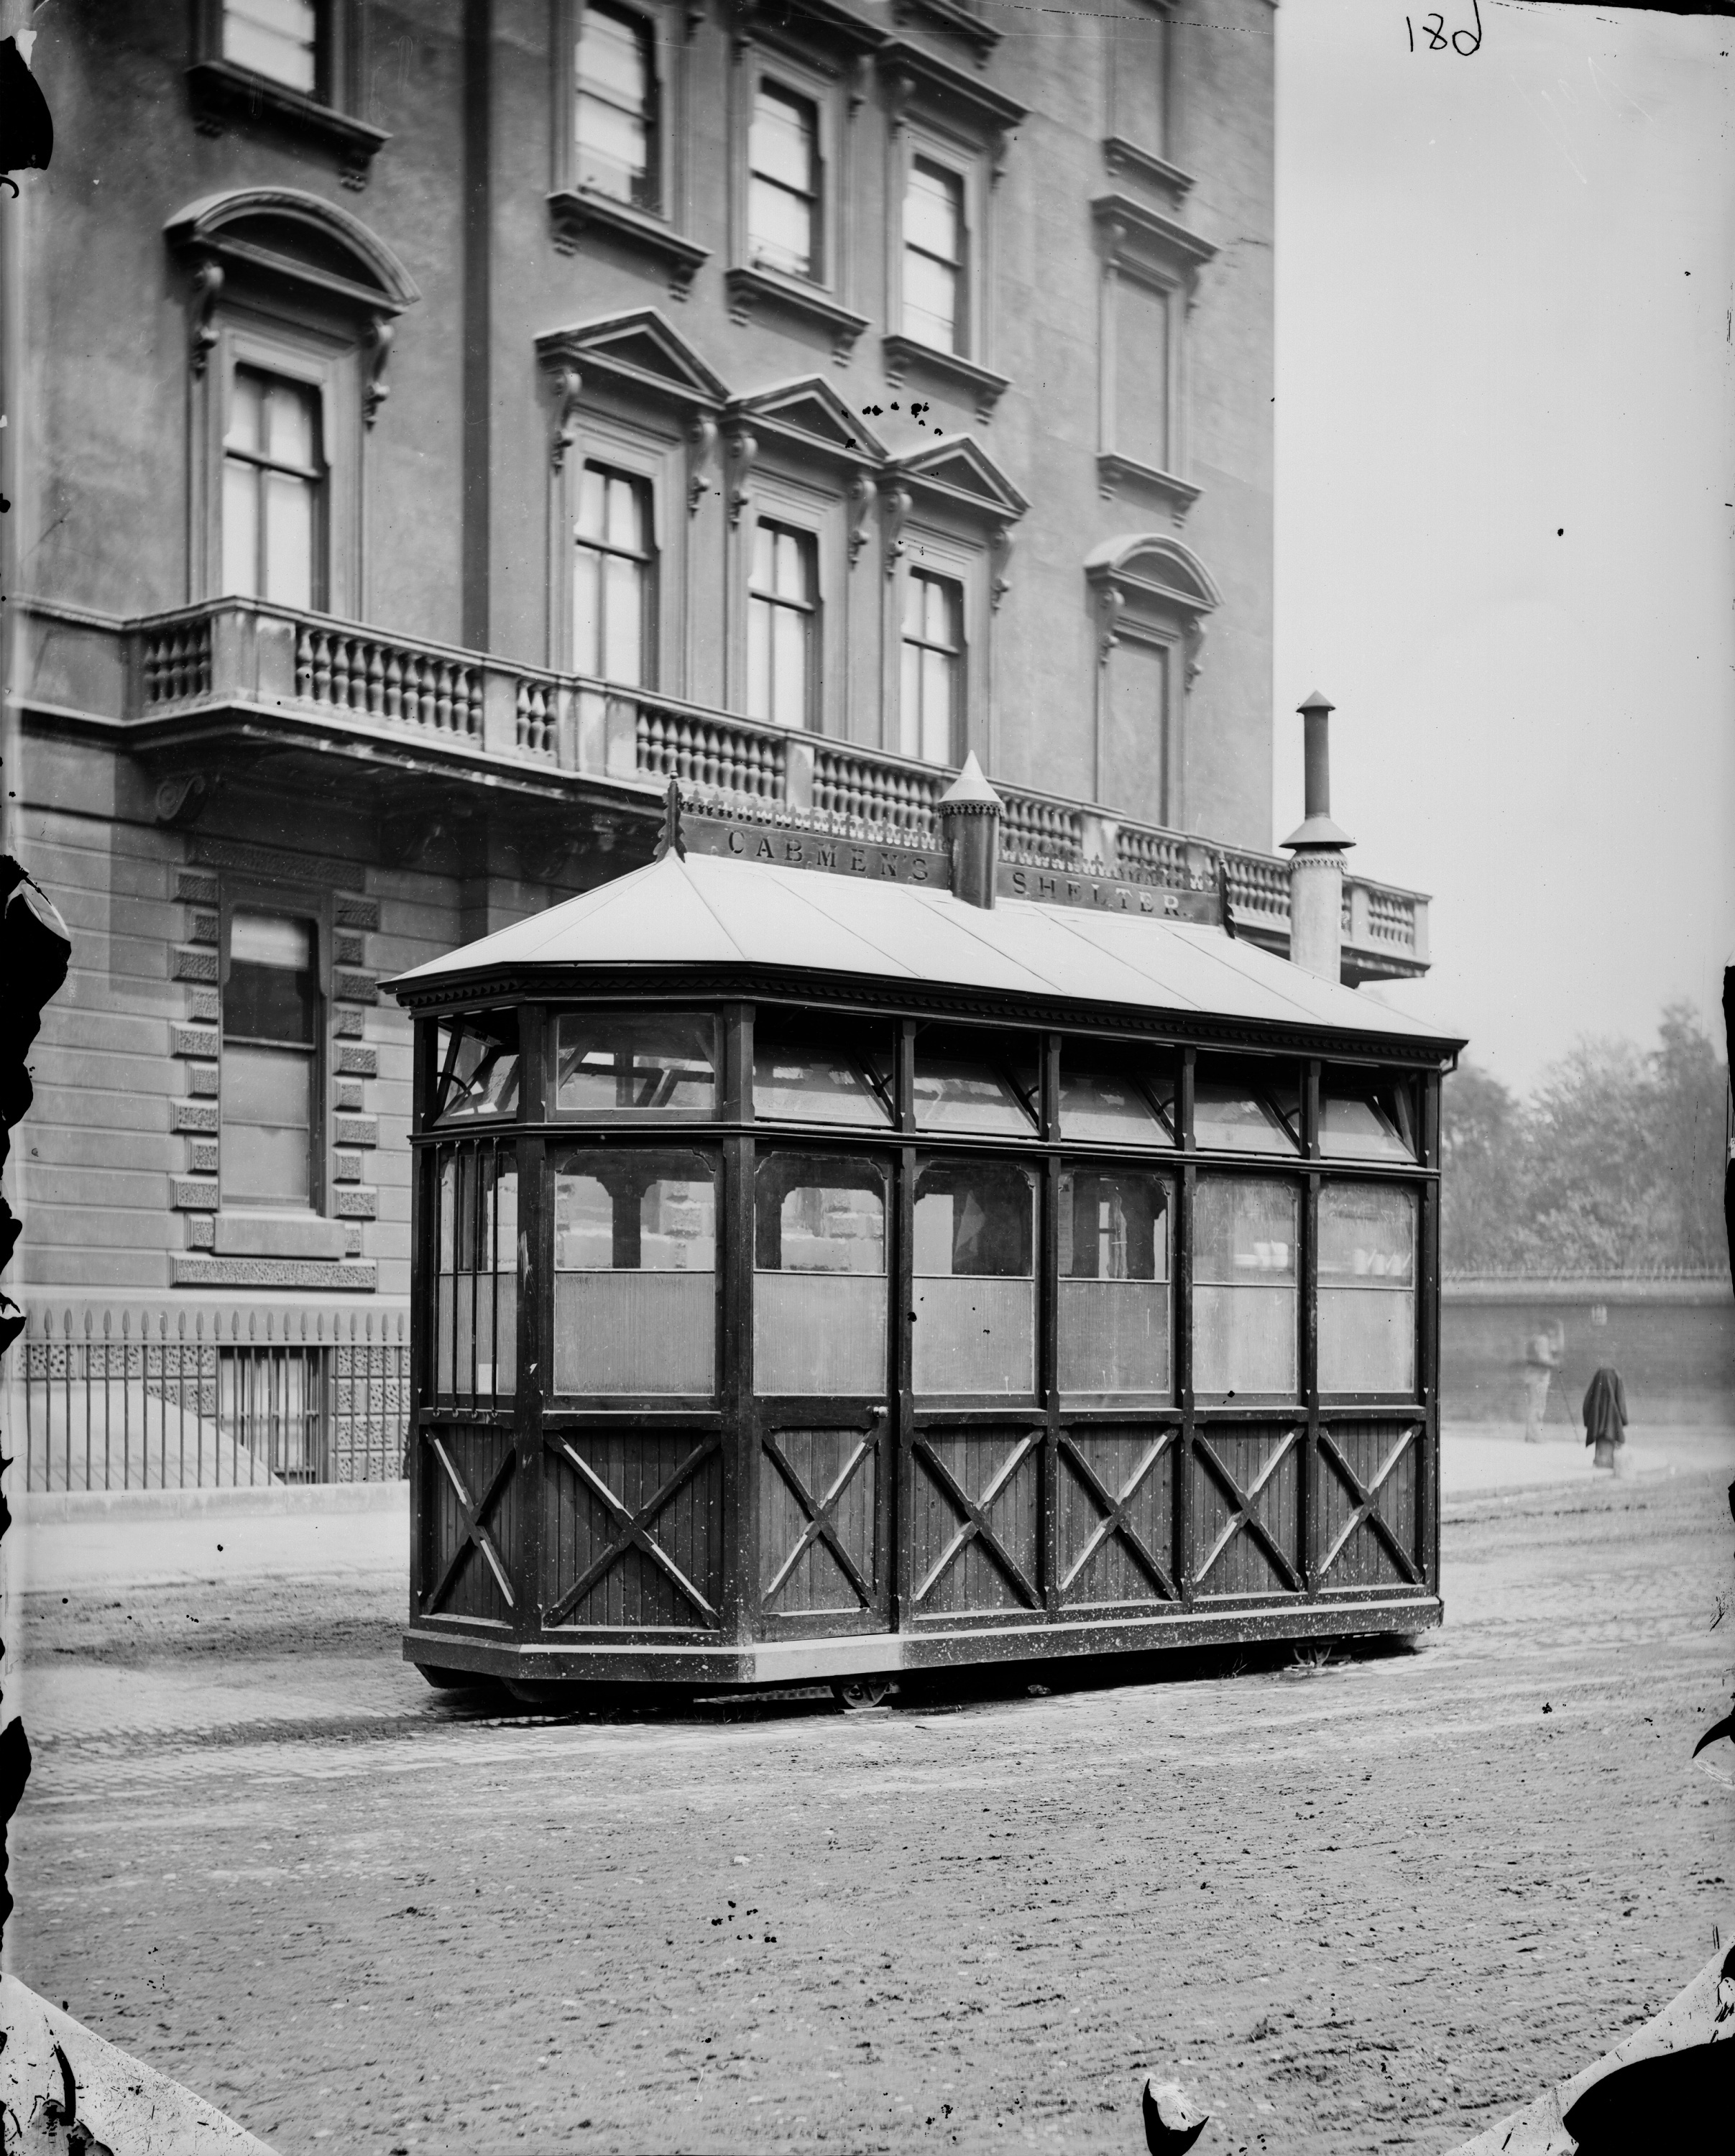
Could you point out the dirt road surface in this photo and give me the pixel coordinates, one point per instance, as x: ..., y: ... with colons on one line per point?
x: 1366, y: 1908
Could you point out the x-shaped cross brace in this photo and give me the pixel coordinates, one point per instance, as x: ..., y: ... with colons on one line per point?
x: 1242, y: 1515
x: 821, y: 1526
x: 475, y: 1520
x: 1114, y: 1520
x: 1365, y: 1506
x: 972, y: 1514
x: 632, y: 1531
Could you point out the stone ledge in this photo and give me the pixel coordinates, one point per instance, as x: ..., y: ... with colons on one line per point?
x: 193, y: 1271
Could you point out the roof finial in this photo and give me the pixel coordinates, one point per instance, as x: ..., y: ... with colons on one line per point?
x: 671, y: 841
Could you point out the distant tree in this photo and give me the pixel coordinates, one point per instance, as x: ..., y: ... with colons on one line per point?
x: 1615, y: 1162
x: 1480, y: 1137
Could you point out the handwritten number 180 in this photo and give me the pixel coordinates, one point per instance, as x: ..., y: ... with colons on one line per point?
x: 1434, y: 29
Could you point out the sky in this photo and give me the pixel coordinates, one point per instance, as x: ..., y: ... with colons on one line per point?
x: 1504, y: 474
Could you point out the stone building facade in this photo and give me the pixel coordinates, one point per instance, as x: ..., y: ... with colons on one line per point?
x: 439, y: 422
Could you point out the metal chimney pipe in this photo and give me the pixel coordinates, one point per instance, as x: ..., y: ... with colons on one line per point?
x: 1316, y: 750
x: 1316, y: 850
x: 970, y: 817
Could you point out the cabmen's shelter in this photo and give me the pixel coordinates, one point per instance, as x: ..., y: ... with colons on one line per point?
x: 833, y: 1260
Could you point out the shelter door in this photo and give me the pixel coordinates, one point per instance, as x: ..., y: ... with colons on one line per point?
x: 820, y: 1372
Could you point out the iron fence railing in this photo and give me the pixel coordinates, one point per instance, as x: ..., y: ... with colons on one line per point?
x: 120, y: 1399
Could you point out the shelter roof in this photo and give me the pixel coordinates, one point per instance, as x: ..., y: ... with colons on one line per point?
x: 706, y: 912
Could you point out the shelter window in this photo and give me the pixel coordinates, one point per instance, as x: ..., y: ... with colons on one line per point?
x: 476, y: 1330
x: 801, y: 1077
x: 615, y: 119
x: 1244, y: 1286
x: 974, y: 1289
x: 270, y: 1067
x: 1117, y: 1106
x: 1362, y: 1122
x: 1246, y: 1111
x: 784, y: 203
x: 1366, y: 1288
x: 931, y: 701
x: 277, y: 38
x: 273, y: 486
x: 1114, y: 1313
x: 613, y: 577
x: 476, y: 1068
x: 783, y: 615
x: 635, y: 1246
x: 819, y: 1288
x: 613, y: 1062
x: 965, y: 1084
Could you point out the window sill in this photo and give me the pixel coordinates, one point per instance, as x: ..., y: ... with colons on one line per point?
x: 905, y: 354
x: 1118, y: 475
x: 753, y: 289
x: 1125, y: 157
x: 579, y: 211
x: 224, y: 96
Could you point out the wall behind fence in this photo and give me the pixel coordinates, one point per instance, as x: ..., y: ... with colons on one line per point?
x: 119, y: 1399
x: 1673, y: 1341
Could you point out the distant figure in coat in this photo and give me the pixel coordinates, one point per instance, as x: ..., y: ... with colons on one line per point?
x: 1542, y: 1351
x: 1605, y: 1415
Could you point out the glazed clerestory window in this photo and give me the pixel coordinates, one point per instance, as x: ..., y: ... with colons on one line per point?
x: 274, y: 491
x: 617, y: 108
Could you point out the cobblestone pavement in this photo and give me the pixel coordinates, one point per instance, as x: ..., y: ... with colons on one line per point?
x: 1366, y: 1908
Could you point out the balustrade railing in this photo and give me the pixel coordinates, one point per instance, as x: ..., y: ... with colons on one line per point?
x: 351, y: 672
x: 717, y: 754
x: 175, y: 661
x: 724, y: 761
x: 207, y: 1399
x: 876, y: 797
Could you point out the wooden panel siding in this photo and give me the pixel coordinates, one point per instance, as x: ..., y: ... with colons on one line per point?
x: 816, y: 1458
x: 1230, y: 1552
x: 472, y: 1587
x: 961, y: 1563
x: 586, y: 1538
x: 1135, y: 1470
x: 1364, y: 1559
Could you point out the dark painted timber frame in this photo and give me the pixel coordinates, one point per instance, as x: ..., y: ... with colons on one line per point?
x: 651, y: 1542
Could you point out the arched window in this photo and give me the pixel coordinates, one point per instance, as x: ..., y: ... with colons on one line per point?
x: 292, y: 307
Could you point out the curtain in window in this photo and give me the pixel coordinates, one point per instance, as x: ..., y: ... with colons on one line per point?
x: 974, y: 1289
x: 269, y: 1076
x: 612, y: 578
x: 273, y: 490
x: 615, y: 117
x: 819, y: 1276
x: 634, y: 1272
x: 1245, y: 1276
x: 934, y: 257
x: 1367, y: 1289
